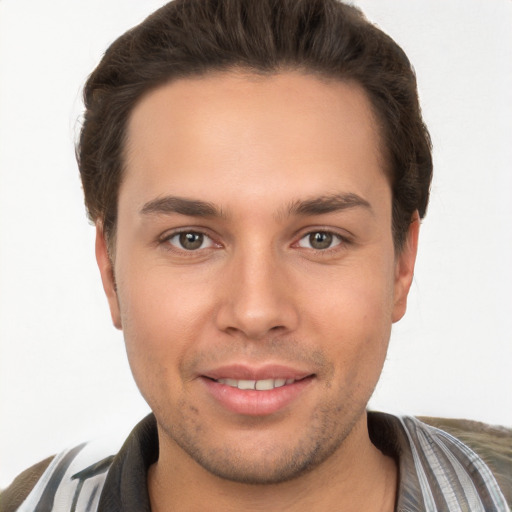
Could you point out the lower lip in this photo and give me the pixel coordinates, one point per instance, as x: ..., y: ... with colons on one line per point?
x: 256, y: 403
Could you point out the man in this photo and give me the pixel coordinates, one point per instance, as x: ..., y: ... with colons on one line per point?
x: 257, y: 172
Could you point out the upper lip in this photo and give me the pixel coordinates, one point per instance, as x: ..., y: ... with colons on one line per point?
x: 246, y: 372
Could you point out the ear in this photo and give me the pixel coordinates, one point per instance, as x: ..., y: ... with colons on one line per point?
x: 107, y: 275
x: 404, y: 268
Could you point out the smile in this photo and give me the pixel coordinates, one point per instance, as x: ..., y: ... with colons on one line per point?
x: 243, y: 395
x: 258, y: 385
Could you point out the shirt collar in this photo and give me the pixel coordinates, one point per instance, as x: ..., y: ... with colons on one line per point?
x: 126, y: 484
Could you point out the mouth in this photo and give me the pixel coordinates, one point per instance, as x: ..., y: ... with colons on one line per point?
x: 258, y: 392
x: 258, y: 385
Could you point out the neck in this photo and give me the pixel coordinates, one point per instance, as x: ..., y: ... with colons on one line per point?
x: 356, y: 477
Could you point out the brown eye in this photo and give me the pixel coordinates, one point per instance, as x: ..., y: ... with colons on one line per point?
x: 191, y: 241
x: 319, y: 240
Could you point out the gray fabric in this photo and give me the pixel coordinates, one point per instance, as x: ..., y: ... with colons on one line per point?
x: 450, y: 476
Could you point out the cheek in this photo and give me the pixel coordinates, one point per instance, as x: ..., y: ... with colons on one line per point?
x: 354, y: 320
x: 160, y: 301
x: 161, y: 319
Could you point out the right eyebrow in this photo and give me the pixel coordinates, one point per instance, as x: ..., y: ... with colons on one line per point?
x: 173, y: 204
x: 328, y: 204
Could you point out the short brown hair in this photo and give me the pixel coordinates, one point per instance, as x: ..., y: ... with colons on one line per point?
x: 191, y: 37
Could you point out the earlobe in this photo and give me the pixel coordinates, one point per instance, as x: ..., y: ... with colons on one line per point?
x: 107, y: 275
x: 404, y: 269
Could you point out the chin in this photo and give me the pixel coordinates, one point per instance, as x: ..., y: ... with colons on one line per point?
x: 264, y: 459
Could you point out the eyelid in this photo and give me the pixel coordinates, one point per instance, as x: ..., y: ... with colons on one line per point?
x: 335, y: 238
x: 344, y: 237
x: 168, y: 235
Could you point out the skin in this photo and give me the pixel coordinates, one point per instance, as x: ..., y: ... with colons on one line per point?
x: 267, y: 154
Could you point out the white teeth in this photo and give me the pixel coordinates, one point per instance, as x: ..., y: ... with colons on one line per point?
x: 264, y: 385
x: 260, y: 385
x: 246, y: 384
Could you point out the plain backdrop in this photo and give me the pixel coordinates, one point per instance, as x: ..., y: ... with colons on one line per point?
x: 63, y: 372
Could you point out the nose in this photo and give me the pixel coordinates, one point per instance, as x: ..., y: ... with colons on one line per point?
x: 257, y: 297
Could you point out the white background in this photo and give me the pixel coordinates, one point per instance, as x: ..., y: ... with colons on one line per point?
x: 63, y: 372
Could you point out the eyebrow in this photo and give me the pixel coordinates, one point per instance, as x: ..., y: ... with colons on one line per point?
x: 169, y: 205
x: 172, y: 204
x: 327, y: 204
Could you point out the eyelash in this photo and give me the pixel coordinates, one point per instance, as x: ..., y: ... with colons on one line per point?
x: 166, y: 240
x: 342, y: 241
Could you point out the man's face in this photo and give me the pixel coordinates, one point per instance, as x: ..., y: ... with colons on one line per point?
x: 254, y: 250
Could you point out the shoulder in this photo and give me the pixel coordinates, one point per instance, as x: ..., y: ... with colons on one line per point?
x: 446, y: 464
x: 66, y: 479
x: 76, y: 478
x: 493, y: 444
x: 12, y: 497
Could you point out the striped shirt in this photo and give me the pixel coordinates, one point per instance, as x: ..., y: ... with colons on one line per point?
x: 437, y: 472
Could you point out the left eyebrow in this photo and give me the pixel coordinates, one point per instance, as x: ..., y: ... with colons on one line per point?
x: 169, y: 205
x: 327, y: 204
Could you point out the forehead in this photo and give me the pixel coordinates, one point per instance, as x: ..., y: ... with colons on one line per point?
x: 225, y: 131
